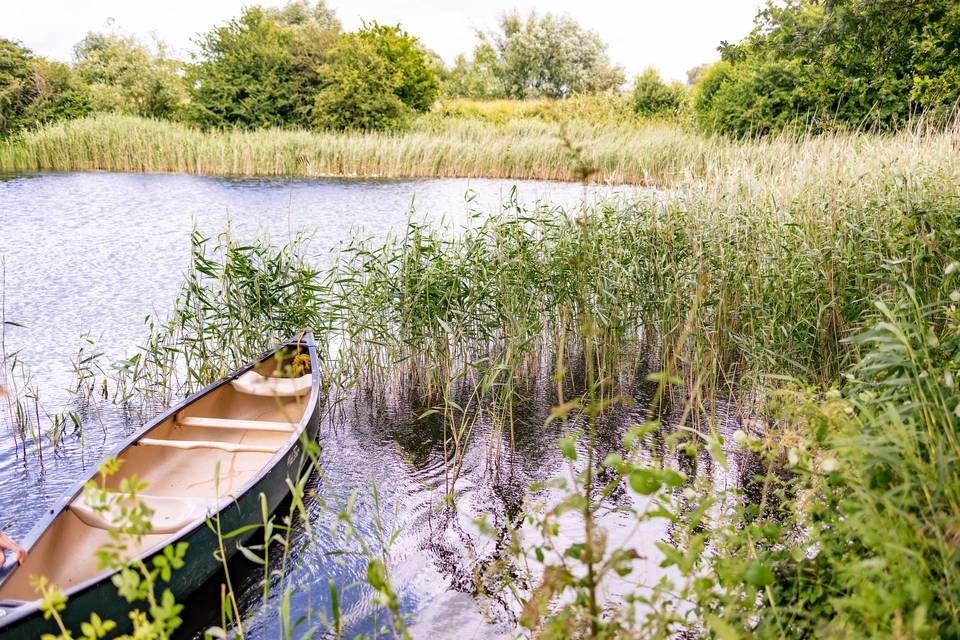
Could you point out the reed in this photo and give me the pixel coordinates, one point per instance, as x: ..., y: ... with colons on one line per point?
x: 659, y: 154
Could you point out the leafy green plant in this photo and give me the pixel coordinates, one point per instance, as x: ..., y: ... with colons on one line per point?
x: 136, y: 580
x: 652, y: 96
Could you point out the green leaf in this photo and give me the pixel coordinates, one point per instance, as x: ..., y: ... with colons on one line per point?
x: 377, y: 575
x: 722, y: 628
x: 644, y: 481
x: 758, y: 574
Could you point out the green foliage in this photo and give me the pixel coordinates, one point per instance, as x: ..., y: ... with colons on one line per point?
x: 841, y: 63
x: 708, y: 84
x: 374, y: 79
x: 123, y: 76
x: 301, y: 14
x: 135, y: 581
x: 260, y: 70
x: 17, y: 89
x: 755, y: 98
x: 541, y: 57
x: 476, y: 78
x: 359, y: 89
x: 415, y: 80
x: 34, y: 90
x: 653, y: 97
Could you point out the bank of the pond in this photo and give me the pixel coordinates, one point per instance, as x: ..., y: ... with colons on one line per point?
x: 642, y: 153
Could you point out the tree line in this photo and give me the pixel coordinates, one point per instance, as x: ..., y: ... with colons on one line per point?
x: 808, y: 64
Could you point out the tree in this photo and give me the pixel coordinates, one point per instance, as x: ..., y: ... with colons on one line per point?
x: 756, y: 99
x: 415, y: 81
x: 123, y: 76
x: 654, y: 97
x: 17, y: 90
x: 301, y: 14
x: 359, y: 89
x: 476, y: 78
x: 34, y: 90
x: 374, y: 79
x: 261, y: 69
x: 541, y: 57
x: 870, y: 63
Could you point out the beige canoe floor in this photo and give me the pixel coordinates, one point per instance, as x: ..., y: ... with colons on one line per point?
x: 177, y: 459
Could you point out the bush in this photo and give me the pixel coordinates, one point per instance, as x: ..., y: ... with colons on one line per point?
x: 374, y: 79
x: 754, y: 98
x: 260, y: 70
x: 35, y: 90
x: 653, y: 97
x: 415, y: 81
x: 123, y: 76
x: 359, y: 91
x: 873, y: 64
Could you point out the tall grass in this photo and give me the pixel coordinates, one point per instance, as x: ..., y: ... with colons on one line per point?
x: 650, y: 154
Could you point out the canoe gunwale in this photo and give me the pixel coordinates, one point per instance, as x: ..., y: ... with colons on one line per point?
x: 29, y: 607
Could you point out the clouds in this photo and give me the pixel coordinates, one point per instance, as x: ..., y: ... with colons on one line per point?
x: 673, y: 36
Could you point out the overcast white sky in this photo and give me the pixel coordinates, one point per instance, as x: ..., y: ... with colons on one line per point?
x: 672, y: 35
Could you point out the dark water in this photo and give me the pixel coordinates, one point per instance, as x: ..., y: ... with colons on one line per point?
x: 97, y: 252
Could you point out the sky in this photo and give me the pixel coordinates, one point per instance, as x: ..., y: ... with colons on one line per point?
x: 671, y: 35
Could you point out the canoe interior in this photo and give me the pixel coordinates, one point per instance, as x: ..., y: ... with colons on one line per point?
x: 65, y: 551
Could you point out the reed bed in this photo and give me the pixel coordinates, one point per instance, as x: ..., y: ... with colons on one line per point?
x: 659, y: 154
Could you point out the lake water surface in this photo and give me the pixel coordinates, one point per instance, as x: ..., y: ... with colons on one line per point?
x: 97, y: 252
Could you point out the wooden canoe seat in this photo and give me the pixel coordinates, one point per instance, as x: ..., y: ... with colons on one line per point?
x: 229, y: 423
x: 254, y: 384
x: 206, y: 444
x: 170, y: 514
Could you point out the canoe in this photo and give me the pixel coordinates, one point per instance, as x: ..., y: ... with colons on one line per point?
x: 251, y: 427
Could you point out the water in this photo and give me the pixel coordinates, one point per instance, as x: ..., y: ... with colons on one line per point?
x: 97, y: 252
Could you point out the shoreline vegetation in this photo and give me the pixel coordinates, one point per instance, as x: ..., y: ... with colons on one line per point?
x: 815, y: 281
x: 647, y: 153
x: 804, y: 264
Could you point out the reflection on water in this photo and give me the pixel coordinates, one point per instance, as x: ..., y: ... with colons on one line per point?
x: 99, y: 251
x: 439, y: 560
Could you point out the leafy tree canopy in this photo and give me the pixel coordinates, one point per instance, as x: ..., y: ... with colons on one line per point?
x: 654, y: 97
x: 34, y: 90
x: 375, y: 79
x: 871, y: 63
x: 260, y: 70
x: 122, y: 75
x: 301, y: 14
x: 539, y: 57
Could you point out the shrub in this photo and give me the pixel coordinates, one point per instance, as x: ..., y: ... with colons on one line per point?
x: 260, y: 70
x: 415, y: 80
x: 654, y: 97
x: 753, y: 98
x: 35, y: 90
x: 374, y: 79
x: 359, y: 89
x: 874, y: 64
